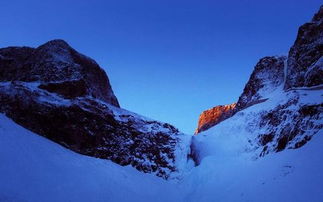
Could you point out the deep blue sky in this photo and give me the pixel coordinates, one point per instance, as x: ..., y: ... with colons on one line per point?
x: 168, y: 60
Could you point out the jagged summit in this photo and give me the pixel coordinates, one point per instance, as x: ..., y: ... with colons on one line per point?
x: 267, y: 76
x: 305, y: 56
x: 318, y: 17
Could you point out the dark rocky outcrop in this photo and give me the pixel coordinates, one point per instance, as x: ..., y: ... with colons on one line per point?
x: 289, y: 128
x: 66, y: 97
x: 305, y: 56
x: 56, y: 63
x: 266, y: 77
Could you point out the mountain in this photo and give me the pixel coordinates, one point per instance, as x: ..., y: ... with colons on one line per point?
x: 58, y: 68
x: 268, y: 74
x: 305, y: 56
x: 281, y: 105
x: 66, y: 97
x: 266, y: 147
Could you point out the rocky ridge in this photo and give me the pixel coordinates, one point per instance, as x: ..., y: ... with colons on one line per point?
x: 266, y: 77
x: 288, y: 95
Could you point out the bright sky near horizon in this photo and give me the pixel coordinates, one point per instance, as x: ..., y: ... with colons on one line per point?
x: 166, y: 59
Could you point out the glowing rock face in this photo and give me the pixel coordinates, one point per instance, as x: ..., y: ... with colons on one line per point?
x: 214, y: 116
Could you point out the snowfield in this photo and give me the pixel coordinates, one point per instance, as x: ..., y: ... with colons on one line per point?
x: 35, y: 169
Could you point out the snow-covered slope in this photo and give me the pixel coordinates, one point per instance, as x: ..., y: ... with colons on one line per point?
x: 232, y: 165
x: 246, y: 157
x: 251, y: 130
x: 35, y: 169
x: 227, y: 172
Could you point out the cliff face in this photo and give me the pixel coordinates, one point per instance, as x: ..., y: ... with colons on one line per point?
x: 281, y: 105
x: 214, y: 116
x: 266, y: 77
x: 66, y: 97
x: 305, y: 56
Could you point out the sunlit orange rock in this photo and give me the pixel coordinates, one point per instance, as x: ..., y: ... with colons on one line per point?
x: 213, y: 116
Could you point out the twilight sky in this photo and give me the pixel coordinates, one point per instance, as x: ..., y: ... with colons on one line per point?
x: 166, y: 59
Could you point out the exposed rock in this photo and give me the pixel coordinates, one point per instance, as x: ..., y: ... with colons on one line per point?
x: 66, y: 97
x: 68, y: 89
x: 266, y: 77
x: 305, y: 66
x: 56, y: 62
x: 211, y: 117
x: 289, y: 128
x: 289, y: 94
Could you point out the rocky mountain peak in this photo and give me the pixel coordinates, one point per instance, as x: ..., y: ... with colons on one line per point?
x: 287, y: 92
x: 267, y: 76
x: 66, y: 97
x: 58, y: 68
x: 56, y: 51
x: 305, y: 56
x: 318, y: 17
x: 58, y: 43
x: 302, y: 68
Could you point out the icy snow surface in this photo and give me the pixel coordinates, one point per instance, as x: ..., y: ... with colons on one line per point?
x: 35, y: 169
